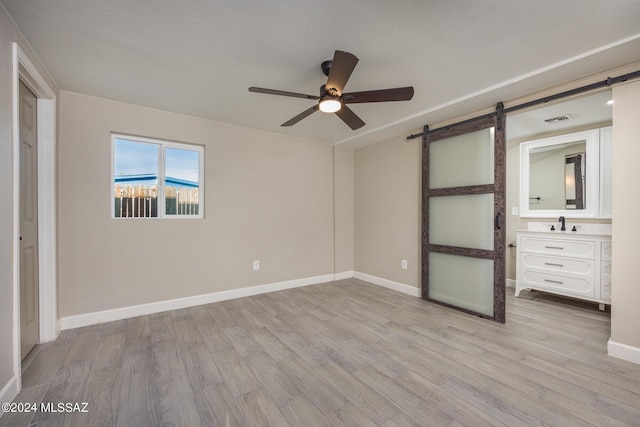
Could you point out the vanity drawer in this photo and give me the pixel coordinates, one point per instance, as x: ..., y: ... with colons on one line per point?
x: 558, y: 247
x: 557, y: 264
x: 552, y: 282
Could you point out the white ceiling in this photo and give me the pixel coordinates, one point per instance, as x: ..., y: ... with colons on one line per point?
x: 583, y: 111
x: 199, y: 57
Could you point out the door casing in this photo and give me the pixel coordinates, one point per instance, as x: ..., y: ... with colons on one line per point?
x: 24, y: 70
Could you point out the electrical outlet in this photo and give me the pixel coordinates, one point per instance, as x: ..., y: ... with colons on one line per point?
x: 256, y: 265
x: 404, y: 264
x: 514, y: 211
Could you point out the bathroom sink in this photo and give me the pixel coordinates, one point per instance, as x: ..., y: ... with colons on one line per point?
x: 580, y: 228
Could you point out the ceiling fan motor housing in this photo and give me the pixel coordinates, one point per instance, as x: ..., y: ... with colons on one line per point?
x: 326, y: 66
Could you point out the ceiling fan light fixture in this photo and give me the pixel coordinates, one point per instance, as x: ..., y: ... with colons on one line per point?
x: 330, y: 105
x: 331, y: 98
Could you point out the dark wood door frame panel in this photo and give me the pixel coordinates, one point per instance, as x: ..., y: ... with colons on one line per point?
x: 496, y: 121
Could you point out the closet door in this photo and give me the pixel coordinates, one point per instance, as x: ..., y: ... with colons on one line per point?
x: 463, y: 218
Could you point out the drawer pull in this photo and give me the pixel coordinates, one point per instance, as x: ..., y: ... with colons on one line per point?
x: 553, y: 281
x: 555, y: 265
x: 554, y: 247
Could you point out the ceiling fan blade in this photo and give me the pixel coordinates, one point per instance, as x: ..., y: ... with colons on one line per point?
x: 301, y: 116
x: 341, y: 69
x: 382, y: 95
x: 350, y: 118
x: 281, y: 93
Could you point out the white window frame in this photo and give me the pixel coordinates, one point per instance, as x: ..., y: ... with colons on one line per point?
x: 163, y: 145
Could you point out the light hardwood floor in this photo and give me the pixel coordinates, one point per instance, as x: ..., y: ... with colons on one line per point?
x: 345, y: 353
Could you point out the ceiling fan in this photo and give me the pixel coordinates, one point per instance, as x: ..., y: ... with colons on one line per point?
x: 333, y: 100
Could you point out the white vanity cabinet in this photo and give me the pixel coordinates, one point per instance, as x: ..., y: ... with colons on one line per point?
x: 605, y: 272
x: 565, y: 263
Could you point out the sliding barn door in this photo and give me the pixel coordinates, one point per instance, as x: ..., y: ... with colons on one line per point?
x: 463, y: 217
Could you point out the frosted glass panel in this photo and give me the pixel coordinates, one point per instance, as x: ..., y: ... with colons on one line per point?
x: 462, y: 282
x: 464, y: 221
x: 462, y: 160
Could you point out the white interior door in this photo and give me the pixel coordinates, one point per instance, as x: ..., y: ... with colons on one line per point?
x: 29, y: 310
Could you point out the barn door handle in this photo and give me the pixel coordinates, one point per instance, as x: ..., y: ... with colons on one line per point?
x: 498, y: 215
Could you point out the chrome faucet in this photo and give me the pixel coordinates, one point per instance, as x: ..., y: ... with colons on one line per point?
x: 562, y: 228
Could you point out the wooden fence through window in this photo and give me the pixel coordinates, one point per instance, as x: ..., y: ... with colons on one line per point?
x: 139, y: 201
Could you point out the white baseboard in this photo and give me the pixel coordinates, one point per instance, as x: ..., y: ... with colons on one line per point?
x: 623, y: 351
x: 344, y: 275
x: 88, y: 319
x: 9, y: 392
x: 400, y: 287
x: 510, y: 283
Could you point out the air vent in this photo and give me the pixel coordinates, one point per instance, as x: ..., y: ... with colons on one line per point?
x: 559, y: 119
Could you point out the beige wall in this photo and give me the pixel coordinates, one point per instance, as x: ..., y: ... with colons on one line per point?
x: 344, y: 214
x: 268, y: 198
x: 387, y: 210
x: 8, y: 34
x: 625, y: 306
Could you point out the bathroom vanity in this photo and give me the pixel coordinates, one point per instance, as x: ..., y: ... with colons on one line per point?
x: 573, y: 264
x: 566, y: 176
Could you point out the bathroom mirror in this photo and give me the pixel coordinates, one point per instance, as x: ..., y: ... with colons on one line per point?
x: 559, y: 176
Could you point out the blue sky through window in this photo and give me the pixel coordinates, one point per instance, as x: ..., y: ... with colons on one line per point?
x: 181, y: 164
x: 140, y: 159
x: 135, y: 158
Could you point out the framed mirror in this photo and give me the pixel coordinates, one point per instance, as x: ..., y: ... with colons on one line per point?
x: 559, y: 176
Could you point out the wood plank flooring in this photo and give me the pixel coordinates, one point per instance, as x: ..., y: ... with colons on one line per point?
x: 344, y: 353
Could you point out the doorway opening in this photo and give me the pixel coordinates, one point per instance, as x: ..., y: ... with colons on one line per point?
x: 29, y: 306
x: 26, y: 73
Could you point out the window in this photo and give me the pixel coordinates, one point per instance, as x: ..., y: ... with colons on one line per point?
x: 154, y: 178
